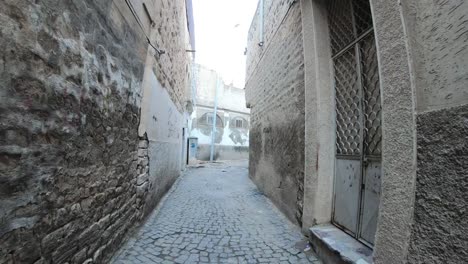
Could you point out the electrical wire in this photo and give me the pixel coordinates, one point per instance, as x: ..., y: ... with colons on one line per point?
x: 291, y: 4
x: 132, y: 10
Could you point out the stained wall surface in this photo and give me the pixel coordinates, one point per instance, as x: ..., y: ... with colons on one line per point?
x: 229, y: 96
x: 75, y: 174
x: 233, y: 117
x: 422, y: 48
x: 439, y: 42
x: 439, y: 233
x: 438, y: 37
x: 275, y: 95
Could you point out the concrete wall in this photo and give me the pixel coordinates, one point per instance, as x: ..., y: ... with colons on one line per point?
x: 222, y: 152
x: 422, y: 46
x: 439, y: 43
x: 439, y: 234
x: 75, y: 173
x: 275, y: 94
x: 229, y: 97
x: 437, y: 34
x: 231, y: 142
x: 161, y: 123
x: 319, y: 149
x: 421, y: 51
x: 227, y: 133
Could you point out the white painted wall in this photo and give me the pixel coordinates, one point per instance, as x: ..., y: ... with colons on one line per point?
x: 160, y: 118
x: 229, y: 97
x: 163, y: 124
x: 231, y: 143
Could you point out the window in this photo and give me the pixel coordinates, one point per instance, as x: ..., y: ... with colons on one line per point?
x: 209, y: 119
x: 239, y: 123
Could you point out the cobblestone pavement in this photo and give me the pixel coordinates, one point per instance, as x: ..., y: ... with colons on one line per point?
x: 215, y: 214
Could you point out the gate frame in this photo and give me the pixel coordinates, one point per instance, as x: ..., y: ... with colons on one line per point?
x: 397, y: 85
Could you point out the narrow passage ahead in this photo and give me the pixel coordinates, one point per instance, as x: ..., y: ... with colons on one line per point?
x: 215, y: 214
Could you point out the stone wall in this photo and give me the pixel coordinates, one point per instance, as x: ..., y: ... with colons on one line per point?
x: 74, y: 172
x: 275, y: 94
x: 172, y: 69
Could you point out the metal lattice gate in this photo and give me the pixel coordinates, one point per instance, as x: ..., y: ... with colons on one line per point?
x: 358, y: 118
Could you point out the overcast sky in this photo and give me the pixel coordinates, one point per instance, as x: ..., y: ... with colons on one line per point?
x: 221, y: 28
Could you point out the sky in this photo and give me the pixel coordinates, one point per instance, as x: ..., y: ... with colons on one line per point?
x: 221, y: 28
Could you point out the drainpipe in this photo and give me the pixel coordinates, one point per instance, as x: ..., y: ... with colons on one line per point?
x: 261, y: 23
x: 213, y: 129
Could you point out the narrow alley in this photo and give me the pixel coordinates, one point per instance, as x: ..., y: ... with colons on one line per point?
x: 215, y: 214
x: 233, y: 131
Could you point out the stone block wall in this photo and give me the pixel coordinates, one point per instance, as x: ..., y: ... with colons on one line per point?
x: 73, y: 169
x: 172, y: 69
x: 275, y: 94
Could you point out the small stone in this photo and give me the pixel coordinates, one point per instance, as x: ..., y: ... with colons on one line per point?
x: 143, y: 144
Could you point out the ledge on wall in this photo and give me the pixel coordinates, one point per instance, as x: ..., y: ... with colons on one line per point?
x: 333, y: 245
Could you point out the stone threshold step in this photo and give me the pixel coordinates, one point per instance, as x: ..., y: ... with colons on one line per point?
x: 334, y: 246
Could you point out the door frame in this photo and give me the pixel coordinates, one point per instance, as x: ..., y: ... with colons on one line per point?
x: 398, y: 125
x: 361, y: 37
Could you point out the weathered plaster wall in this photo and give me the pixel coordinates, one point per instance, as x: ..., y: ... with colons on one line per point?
x: 162, y: 123
x: 440, y: 233
x: 275, y: 94
x: 226, y: 134
x: 439, y: 43
x: 230, y: 142
x: 319, y: 115
x: 229, y: 97
x: 398, y: 130
x: 74, y: 172
x: 222, y: 152
x: 273, y: 16
x: 421, y: 48
x: 438, y: 37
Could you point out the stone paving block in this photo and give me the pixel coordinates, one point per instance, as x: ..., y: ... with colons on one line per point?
x: 213, y: 217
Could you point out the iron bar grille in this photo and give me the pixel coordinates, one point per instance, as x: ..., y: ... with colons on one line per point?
x: 372, y: 107
x: 348, y: 106
x: 358, y: 118
x: 350, y: 23
x: 340, y: 24
x: 348, y: 19
x: 362, y: 16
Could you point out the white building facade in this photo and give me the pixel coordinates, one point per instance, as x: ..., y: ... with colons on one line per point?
x: 214, y: 97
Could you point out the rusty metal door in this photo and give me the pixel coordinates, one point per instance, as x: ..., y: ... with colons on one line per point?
x: 358, y: 118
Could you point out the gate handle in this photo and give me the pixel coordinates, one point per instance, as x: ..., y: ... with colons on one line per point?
x: 365, y: 161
